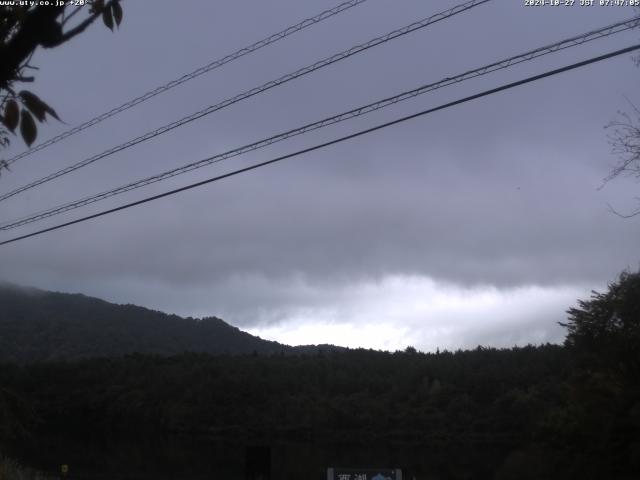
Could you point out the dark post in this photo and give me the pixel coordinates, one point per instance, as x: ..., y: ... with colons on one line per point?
x: 258, y: 463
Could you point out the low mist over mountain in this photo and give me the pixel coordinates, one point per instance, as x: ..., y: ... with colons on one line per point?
x: 37, y: 325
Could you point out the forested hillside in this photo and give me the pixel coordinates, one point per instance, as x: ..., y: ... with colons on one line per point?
x: 549, y: 411
x: 38, y: 326
x: 527, y: 409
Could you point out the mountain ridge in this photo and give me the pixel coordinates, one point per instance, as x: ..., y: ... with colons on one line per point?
x: 41, y: 326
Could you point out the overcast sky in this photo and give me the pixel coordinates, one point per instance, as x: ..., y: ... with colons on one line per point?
x: 479, y: 224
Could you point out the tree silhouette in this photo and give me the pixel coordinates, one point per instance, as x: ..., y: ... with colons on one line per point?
x: 625, y: 143
x: 607, y: 327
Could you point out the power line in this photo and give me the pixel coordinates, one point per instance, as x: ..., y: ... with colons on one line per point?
x: 195, y: 73
x: 254, y: 91
x: 499, y: 65
x: 333, y: 142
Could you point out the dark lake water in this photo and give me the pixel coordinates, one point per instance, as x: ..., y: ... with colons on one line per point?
x: 189, y: 457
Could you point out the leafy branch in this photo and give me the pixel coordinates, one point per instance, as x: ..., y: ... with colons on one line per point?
x: 23, y: 29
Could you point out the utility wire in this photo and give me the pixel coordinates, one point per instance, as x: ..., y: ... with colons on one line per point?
x: 333, y: 142
x: 254, y: 91
x: 196, y: 73
x: 499, y: 65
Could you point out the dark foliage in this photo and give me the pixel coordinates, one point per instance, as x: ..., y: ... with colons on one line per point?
x: 480, y: 397
x: 24, y: 28
x: 606, y: 329
x: 526, y: 405
x: 603, y: 412
x: 38, y: 326
x: 548, y: 412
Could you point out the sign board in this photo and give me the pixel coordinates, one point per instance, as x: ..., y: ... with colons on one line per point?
x: 364, y: 473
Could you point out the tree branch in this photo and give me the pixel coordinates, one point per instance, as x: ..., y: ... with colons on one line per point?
x: 621, y: 215
x: 81, y: 27
x: 39, y: 28
x: 70, y: 16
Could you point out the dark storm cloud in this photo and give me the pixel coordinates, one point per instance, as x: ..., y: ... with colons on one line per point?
x: 500, y: 192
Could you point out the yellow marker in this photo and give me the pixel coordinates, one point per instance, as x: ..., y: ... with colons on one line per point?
x: 64, y: 469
